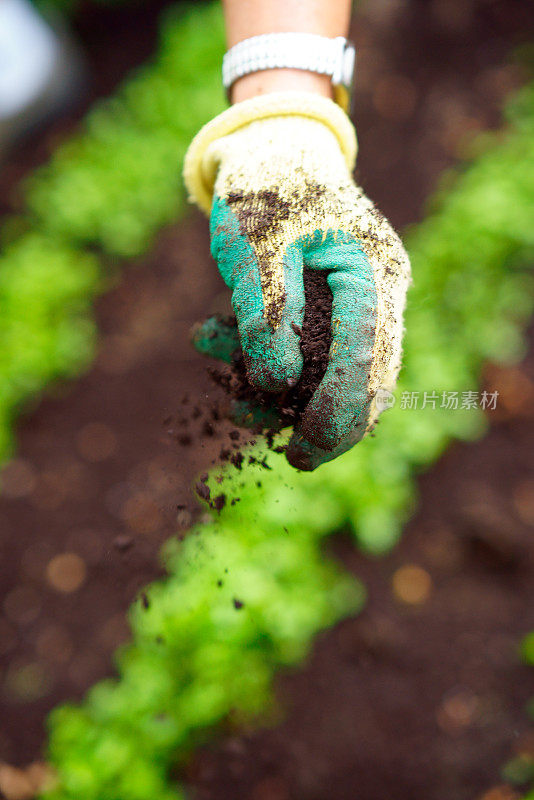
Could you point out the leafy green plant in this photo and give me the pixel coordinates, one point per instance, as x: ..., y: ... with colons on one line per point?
x: 520, y: 770
x: 46, y: 328
x: 106, y: 192
x: 71, y: 6
x: 119, y: 181
x: 205, y: 648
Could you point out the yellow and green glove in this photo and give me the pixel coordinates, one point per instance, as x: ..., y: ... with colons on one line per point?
x: 275, y: 174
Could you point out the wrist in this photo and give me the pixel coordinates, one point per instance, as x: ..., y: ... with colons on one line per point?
x: 280, y: 80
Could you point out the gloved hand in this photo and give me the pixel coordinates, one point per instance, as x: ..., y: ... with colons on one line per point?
x: 275, y: 171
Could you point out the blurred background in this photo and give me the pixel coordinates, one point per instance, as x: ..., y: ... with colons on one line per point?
x: 423, y: 694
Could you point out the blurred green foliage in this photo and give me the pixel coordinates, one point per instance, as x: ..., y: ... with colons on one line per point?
x: 67, y: 7
x: 240, y: 602
x: 118, y: 182
x: 520, y: 770
x: 46, y: 329
x: 110, y: 188
x: 247, y: 592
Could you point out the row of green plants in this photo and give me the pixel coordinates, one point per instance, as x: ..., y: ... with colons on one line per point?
x: 70, y: 7
x: 105, y: 193
x: 520, y: 770
x: 246, y: 593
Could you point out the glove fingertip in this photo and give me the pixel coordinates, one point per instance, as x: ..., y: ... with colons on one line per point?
x: 303, y: 455
x: 216, y: 337
x: 271, y: 375
x: 306, y: 455
x: 335, y: 413
x: 273, y: 358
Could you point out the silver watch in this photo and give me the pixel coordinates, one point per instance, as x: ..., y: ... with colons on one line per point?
x: 306, y: 51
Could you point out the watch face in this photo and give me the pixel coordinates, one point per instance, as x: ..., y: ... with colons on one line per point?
x: 343, y: 74
x: 348, y: 66
x: 349, y: 73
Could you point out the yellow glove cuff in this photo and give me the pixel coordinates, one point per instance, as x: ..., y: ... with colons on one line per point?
x: 199, y: 174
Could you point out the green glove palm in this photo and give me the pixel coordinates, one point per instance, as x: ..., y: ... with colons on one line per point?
x: 284, y: 200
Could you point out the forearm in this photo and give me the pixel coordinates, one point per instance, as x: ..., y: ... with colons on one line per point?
x: 246, y: 18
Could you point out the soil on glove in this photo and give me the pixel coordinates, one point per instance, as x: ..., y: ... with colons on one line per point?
x: 315, y: 338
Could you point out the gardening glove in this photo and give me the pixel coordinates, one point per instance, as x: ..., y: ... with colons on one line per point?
x: 275, y: 172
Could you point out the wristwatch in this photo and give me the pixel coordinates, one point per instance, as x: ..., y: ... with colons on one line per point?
x: 306, y: 51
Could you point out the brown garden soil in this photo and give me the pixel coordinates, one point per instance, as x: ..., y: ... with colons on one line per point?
x: 315, y: 338
x: 422, y: 697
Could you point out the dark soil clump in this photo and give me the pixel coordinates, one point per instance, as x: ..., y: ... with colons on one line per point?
x: 315, y: 338
x: 204, y: 492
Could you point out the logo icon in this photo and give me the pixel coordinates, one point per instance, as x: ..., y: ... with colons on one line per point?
x: 384, y: 399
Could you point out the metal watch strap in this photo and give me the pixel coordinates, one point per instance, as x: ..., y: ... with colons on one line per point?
x: 306, y: 51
